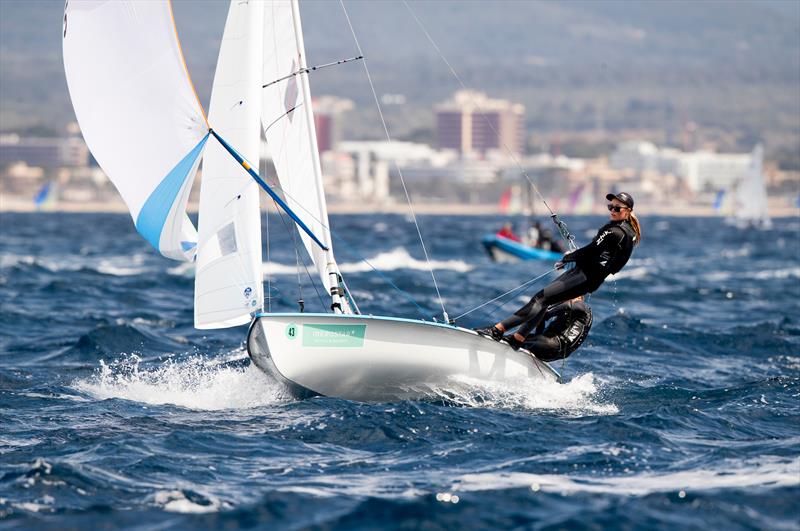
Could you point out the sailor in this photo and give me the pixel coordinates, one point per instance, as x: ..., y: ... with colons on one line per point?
x: 508, y: 232
x: 569, y: 324
x: 606, y: 254
x: 533, y: 233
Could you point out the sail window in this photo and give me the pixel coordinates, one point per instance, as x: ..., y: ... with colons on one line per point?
x: 227, y: 239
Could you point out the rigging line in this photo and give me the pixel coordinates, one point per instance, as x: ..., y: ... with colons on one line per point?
x: 269, y: 277
x: 531, y: 281
x: 297, y: 264
x: 288, y: 196
x: 276, y: 120
x: 310, y: 279
x: 382, y: 275
x: 308, y: 69
x: 344, y: 241
x: 560, y: 224
x: 396, y: 165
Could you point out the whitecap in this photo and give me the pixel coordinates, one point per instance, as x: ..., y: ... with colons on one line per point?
x: 399, y: 258
x: 632, y: 273
x: 175, y: 501
x: 766, y: 471
x: 120, y: 265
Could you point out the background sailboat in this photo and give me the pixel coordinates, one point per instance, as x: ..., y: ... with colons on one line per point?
x: 750, y: 195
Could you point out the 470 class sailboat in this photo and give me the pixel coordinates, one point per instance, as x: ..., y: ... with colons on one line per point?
x: 131, y: 90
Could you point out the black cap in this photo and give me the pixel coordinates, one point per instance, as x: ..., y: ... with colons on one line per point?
x: 623, y: 198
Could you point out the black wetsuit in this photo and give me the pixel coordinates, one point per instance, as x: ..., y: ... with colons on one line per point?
x: 565, y: 333
x: 606, y: 254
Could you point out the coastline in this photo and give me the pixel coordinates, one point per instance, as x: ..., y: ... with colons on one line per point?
x: 778, y: 208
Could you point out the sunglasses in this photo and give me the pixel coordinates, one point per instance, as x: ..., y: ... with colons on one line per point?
x: 614, y: 208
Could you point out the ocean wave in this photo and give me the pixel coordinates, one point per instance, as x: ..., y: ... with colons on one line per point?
x: 631, y: 273
x: 767, y: 471
x: 395, y: 259
x: 119, y: 266
x: 399, y: 258
x: 196, y: 383
x: 769, y: 274
x: 188, y: 501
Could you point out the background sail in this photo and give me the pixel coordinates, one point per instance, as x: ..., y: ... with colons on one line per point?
x: 228, y: 279
x: 289, y: 127
x: 138, y: 111
x: 751, y: 194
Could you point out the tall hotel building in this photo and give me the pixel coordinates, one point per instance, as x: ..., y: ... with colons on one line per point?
x: 472, y: 124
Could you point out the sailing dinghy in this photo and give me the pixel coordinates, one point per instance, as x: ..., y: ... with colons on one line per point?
x: 131, y: 89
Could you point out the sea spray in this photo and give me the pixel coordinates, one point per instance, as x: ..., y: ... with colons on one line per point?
x: 196, y: 382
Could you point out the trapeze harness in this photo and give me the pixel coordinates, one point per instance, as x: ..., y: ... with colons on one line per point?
x: 566, y: 332
x: 606, y: 254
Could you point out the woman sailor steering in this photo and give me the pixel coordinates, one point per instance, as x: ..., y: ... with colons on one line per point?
x: 606, y: 254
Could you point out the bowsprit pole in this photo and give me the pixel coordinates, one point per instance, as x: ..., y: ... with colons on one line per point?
x: 246, y: 165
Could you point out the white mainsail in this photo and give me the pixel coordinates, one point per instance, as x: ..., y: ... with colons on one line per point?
x: 288, y: 123
x: 138, y: 111
x: 228, y: 279
x: 751, y: 194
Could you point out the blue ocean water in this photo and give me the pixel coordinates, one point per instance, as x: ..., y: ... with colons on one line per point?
x: 681, y: 411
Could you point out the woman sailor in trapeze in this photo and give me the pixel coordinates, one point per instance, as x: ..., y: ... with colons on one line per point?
x: 606, y: 254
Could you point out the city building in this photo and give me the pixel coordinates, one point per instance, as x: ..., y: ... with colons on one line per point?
x: 702, y: 171
x: 328, y: 111
x: 44, y: 152
x: 473, y: 124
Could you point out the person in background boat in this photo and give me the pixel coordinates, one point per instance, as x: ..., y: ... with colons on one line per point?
x: 543, y: 238
x: 534, y: 231
x: 550, y: 242
x: 508, y: 232
x: 606, y: 254
x: 569, y: 325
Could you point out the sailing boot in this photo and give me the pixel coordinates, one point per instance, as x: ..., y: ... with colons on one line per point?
x: 513, y: 342
x: 490, y: 332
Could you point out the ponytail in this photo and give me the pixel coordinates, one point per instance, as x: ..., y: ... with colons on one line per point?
x: 634, y: 221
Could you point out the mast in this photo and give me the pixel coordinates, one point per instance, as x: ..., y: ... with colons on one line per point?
x: 338, y: 301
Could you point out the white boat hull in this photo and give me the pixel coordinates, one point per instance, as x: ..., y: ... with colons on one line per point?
x: 370, y: 358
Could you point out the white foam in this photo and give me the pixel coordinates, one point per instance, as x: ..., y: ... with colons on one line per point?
x: 399, y: 258
x: 769, y: 274
x: 175, y: 501
x: 767, y: 471
x: 183, y: 269
x: 120, y: 265
x: 579, y: 396
x: 277, y: 269
x: 195, y: 383
x: 631, y: 272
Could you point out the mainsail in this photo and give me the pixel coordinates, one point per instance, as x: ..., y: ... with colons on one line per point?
x: 228, y: 280
x: 288, y: 124
x: 138, y: 111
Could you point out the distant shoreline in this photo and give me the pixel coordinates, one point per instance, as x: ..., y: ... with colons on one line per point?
x: 448, y: 209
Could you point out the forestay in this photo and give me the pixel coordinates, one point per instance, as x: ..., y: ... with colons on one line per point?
x: 138, y: 111
x: 288, y: 123
x: 228, y: 280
